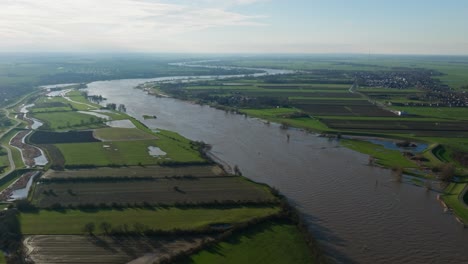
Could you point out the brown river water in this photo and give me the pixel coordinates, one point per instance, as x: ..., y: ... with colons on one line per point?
x: 358, y: 213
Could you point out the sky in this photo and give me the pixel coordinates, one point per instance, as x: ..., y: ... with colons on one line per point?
x: 235, y: 26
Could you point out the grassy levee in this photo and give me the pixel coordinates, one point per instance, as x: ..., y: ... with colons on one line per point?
x: 452, y: 197
x: 269, y: 243
x: 72, y: 221
x: 16, y: 154
x: 441, y: 153
x: 385, y: 157
x: 4, y: 161
x: 278, y: 115
x: 76, y: 96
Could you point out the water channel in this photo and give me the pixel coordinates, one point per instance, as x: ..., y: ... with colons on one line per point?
x: 360, y: 214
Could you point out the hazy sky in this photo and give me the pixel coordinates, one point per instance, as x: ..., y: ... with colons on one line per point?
x: 236, y: 26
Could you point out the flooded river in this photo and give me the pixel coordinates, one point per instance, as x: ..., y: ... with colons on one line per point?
x: 358, y: 213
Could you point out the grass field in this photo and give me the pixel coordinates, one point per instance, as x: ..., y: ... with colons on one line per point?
x: 57, y: 249
x: 453, y: 200
x: 385, y: 157
x: 121, y: 134
x: 269, y: 243
x: 68, y: 120
x: 450, y: 113
x: 72, y: 221
x: 4, y: 161
x: 2, y: 258
x: 156, y: 191
x: 278, y: 115
x: 47, y: 137
x: 105, y: 154
x: 17, y: 158
x: 125, y: 153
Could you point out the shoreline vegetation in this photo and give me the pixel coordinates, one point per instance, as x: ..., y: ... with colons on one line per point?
x: 96, y: 218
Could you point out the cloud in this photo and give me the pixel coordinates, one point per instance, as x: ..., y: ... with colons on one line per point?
x: 108, y: 24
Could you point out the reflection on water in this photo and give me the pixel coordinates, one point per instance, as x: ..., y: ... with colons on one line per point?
x: 358, y: 213
x: 155, y: 151
x: 23, y: 192
x: 121, y: 123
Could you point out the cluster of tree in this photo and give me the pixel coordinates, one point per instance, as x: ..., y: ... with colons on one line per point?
x: 93, y: 98
x: 446, y: 172
x: 242, y: 101
x: 10, y: 235
x: 115, y: 107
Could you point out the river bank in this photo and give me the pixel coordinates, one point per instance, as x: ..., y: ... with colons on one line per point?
x: 313, y: 173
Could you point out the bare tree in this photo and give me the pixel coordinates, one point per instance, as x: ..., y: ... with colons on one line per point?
x: 105, y: 227
x: 447, y: 172
x: 89, y: 228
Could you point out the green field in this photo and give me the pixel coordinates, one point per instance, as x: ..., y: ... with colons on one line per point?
x: 385, y: 157
x: 279, y: 115
x: 72, y: 221
x: 109, y: 153
x: 127, y: 153
x: 453, y: 199
x: 68, y: 120
x: 121, y: 134
x: 269, y: 243
x: 17, y: 159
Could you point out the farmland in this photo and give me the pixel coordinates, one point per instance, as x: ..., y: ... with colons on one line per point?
x: 49, y: 249
x: 121, y: 134
x: 167, y: 191
x: 137, y: 180
x: 71, y: 222
x: 266, y: 243
x: 67, y: 120
x: 136, y: 172
x: 125, y: 153
x: 46, y: 137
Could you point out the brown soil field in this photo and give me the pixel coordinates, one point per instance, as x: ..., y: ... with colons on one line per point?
x: 164, y: 191
x: 344, y: 110
x: 419, y: 128
x: 50, y: 249
x: 137, y: 171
